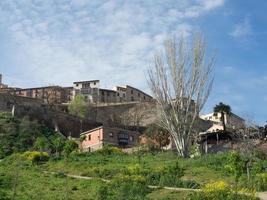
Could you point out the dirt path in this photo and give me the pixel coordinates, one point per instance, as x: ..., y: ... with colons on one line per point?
x: 261, y: 195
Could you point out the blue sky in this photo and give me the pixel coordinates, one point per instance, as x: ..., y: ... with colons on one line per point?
x: 48, y: 42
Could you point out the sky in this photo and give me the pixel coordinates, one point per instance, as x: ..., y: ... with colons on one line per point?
x: 57, y: 42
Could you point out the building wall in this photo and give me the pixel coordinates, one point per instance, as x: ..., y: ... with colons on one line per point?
x: 96, y: 138
x: 93, y: 140
x: 231, y: 121
x: 107, y: 96
x: 89, y: 89
x: 133, y: 94
x: 49, y: 95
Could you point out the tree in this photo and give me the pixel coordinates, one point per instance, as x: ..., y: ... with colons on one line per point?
x: 159, y: 135
x: 79, y: 107
x: 181, y: 81
x: 223, y: 109
x: 41, y: 144
x: 69, y: 147
x: 58, y: 145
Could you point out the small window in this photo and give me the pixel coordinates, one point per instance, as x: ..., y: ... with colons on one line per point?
x: 131, y: 138
x: 108, y: 94
x: 111, y: 134
x: 144, y: 97
x: 94, y: 83
x: 123, y: 95
x: 132, y: 98
x: 103, y: 92
x: 118, y: 94
x: 77, y: 84
x: 131, y: 91
x: 138, y: 94
x: 89, y: 137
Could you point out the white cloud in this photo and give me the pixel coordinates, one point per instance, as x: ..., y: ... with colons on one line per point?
x: 83, y: 39
x: 242, y: 29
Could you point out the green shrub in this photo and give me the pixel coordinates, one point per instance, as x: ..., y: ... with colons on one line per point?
x: 69, y: 147
x: 109, y: 150
x: 219, y: 191
x: 170, y: 175
x: 260, y: 182
x: 36, y: 157
x: 128, y: 187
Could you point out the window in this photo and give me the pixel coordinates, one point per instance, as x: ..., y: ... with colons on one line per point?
x: 131, y: 91
x: 132, y: 98
x: 94, y: 83
x: 131, y: 138
x: 108, y: 94
x: 111, y: 134
x: 77, y: 84
x: 138, y: 94
x: 144, y: 97
x: 123, y: 95
x: 103, y: 93
x: 89, y: 137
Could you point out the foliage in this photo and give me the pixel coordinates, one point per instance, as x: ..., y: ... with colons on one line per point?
x: 20, y: 135
x: 222, y: 109
x: 78, y: 106
x: 219, y: 191
x: 36, y: 157
x: 159, y: 136
x: 69, y: 147
x: 235, y: 165
x: 259, y: 182
x: 109, y: 150
x: 125, y: 187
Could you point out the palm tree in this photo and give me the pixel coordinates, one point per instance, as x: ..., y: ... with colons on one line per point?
x: 224, y: 110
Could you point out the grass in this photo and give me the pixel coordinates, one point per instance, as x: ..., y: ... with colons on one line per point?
x: 200, y: 169
x: 33, y: 183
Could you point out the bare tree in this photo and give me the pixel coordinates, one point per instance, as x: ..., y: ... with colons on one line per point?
x: 249, y: 138
x: 181, y: 81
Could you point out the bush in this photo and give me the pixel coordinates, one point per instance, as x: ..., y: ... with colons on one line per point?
x: 128, y: 187
x: 36, y: 157
x: 219, y: 191
x: 260, y: 182
x: 109, y: 150
x: 170, y: 176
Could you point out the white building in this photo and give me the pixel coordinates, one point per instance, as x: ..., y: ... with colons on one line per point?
x: 231, y: 121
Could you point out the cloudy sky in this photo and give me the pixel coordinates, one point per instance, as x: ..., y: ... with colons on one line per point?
x: 48, y: 42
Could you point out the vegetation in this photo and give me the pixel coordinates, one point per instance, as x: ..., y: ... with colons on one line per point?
x: 223, y: 109
x: 181, y: 81
x: 36, y: 163
x: 21, y: 135
x: 117, y: 175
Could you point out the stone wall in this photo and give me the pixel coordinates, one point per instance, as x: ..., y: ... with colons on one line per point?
x: 67, y: 124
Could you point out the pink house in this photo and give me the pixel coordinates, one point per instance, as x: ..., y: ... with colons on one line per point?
x: 100, y: 136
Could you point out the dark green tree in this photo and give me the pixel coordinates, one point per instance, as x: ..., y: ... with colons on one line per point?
x: 224, y: 110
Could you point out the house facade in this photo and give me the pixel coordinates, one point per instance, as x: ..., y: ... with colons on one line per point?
x: 96, y: 138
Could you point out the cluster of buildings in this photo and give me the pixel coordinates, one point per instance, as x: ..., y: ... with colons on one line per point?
x: 90, y: 89
x: 213, y: 139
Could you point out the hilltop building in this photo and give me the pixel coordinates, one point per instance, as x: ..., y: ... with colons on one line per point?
x: 90, y: 89
x: 49, y: 94
x: 93, y: 93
